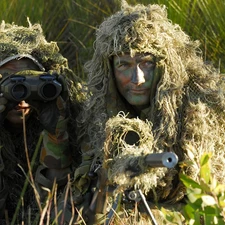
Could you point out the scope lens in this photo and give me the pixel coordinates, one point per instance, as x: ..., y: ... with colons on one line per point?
x: 132, y: 138
x: 19, y: 91
x: 49, y: 91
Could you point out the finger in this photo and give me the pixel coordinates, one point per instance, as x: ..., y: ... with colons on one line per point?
x: 64, y: 92
x: 2, y: 108
x: 3, y: 101
x: 61, y: 104
x: 35, y: 105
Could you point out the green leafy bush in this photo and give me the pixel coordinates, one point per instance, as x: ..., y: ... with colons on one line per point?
x: 206, y: 198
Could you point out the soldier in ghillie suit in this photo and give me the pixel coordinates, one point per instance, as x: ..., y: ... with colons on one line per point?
x: 148, y: 68
x: 25, y: 52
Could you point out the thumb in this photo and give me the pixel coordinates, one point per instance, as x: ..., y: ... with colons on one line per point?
x: 62, y: 106
x: 2, y: 108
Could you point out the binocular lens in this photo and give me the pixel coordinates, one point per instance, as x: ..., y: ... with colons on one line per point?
x: 19, y: 91
x: 22, y: 87
x: 49, y: 91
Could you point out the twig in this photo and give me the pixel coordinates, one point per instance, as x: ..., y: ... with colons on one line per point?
x: 65, y: 201
x: 30, y: 166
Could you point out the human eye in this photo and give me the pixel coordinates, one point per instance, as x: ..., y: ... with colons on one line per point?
x: 122, y: 66
x: 147, y: 64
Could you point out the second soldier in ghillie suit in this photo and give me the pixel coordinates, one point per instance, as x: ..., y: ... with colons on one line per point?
x: 25, y: 51
x: 184, y: 113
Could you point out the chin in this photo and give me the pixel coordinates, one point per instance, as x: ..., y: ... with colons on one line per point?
x: 139, y: 103
x: 16, y: 121
x: 16, y: 116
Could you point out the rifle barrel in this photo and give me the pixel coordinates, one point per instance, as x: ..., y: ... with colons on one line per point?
x: 164, y: 159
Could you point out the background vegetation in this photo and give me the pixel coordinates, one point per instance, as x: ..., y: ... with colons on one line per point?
x: 72, y: 23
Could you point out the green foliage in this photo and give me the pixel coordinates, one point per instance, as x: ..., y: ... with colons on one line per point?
x: 203, y: 20
x: 206, y: 198
x: 72, y: 23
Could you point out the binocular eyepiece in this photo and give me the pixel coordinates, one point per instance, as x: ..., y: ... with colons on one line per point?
x: 44, y: 87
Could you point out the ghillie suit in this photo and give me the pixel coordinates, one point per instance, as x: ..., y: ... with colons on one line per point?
x: 29, y: 42
x: 186, y: 115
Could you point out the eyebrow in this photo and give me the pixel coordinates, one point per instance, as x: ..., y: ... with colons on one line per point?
x: 147, y: 57
x: 120, y: 61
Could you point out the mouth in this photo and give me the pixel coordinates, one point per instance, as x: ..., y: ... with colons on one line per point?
x: 21, y: 109
x: 138, y: 91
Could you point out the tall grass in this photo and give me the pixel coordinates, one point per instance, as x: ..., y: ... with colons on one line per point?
x: 72, y: 23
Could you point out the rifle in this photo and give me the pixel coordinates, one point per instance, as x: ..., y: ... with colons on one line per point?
x: 98, y: 204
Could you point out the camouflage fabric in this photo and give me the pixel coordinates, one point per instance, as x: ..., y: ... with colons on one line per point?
x: 186, y: 116
x: 55, y: 152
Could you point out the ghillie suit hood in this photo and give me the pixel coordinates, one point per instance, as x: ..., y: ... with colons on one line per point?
x: 29, y: 41
x: 187, y: 113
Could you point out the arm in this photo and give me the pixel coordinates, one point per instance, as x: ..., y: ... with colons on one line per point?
x: 55, y: 157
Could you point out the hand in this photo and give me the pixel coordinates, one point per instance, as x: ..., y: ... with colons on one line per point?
x: 5, y: 107
x: 3, y: 102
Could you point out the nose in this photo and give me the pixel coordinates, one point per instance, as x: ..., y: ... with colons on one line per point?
x: 138, y: 76
x: 23, y: 104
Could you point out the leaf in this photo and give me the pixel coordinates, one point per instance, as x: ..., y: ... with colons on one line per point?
x: 189, y: 182
x: 189, y: 211
x: 197, y: 218
x: 204, y: 186
x: 205, y: 168
x: 193, y: 197
x: 213, y: 219
x: 220, y: 188
x: 211, y: 210
x: 172, y: 216
x: 208, y: 200
x: 221, y: 202
x: 205, y: 158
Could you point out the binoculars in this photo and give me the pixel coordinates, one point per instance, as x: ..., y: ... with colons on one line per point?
x: 43, y: 87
